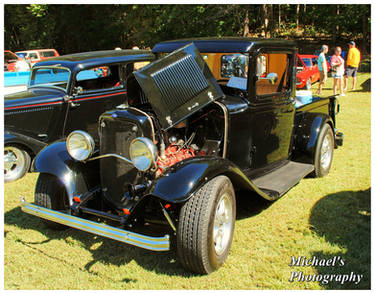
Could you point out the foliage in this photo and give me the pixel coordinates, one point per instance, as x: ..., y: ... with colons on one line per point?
x: 323, y: 217
x: 77, y: 28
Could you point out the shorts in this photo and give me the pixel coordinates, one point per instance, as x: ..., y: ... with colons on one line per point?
x: 351, y: 71
x: 337, y: 75
x: 323, y: 76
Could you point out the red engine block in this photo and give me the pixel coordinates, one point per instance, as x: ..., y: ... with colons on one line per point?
x: 173, y: 155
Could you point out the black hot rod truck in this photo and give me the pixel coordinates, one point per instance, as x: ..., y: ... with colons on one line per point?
x: 212, y: 117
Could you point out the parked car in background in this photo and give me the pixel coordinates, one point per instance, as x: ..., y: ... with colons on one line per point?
x: 66, y: 93
x: 10, y: 60
x: 209, y: 117
x: 307, y: 71
x: 37, y: 55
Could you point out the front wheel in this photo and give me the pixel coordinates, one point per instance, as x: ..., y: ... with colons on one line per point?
x: 206, y: 226
x: 16, y: 163
x: 324, y: 152
x: 50, y: 194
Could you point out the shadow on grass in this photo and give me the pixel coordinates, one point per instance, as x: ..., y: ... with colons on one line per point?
x: 250, y: 204
x: 103, y: 250
x: 108, y: 251
x: 343, y: 219
x: 365, y: 86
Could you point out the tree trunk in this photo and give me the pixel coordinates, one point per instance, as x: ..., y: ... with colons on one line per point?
x: 364, y: 30
x: 304, y: 18
x: 337, y: 21
x: 335, y: 24
x: 265, y: 19
x: 271, y: 21
x: 297, y: 14
x: 246, y: 30
x: 279, y: 27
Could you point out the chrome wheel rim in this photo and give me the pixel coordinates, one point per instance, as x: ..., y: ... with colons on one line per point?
x: 326, y: 152
x: 14, y: 163
x: 223, y: 222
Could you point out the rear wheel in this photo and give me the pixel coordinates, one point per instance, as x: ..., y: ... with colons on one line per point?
x: 206, y: 226
x: 324, y: 152
x: 50, y: 194
x: 16, y: 163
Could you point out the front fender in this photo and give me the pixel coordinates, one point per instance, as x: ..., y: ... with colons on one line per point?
x: 32, y: 145
x: 74, y: 175
x: 184, y: 178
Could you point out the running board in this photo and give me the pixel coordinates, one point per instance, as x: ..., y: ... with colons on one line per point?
x: 128, y: 237
x: 279, y: 181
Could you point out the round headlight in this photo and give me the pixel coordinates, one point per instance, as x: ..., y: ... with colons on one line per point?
x: 80, y: 145
x: 143, y: 153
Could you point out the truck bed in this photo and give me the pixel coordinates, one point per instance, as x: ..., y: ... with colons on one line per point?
x: 325, y: 105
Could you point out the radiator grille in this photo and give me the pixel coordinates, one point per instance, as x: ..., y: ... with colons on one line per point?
x: 116, y: 136
x: 180, y: 81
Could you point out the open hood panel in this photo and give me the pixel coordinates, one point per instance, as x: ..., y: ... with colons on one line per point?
x: 178, y: 85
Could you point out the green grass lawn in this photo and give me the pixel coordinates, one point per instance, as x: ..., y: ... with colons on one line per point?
x: 323, y: 217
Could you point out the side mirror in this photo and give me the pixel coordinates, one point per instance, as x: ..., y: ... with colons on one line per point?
x: 78, y: 90
x: 271, y: 77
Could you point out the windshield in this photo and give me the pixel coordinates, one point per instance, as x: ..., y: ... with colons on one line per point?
x: 50, y: 77
x: 234, y: 65
x: 307, y: 62
x: 21, y: 55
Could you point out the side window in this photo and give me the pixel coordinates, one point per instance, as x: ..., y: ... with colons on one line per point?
x: 272, y: 73
x: 98, y: 78
x: 33, y: 56
x: 47, y: 54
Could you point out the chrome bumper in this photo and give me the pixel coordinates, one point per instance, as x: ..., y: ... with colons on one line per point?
x: 143, y: 241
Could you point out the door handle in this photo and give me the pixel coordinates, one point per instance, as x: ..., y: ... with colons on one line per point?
x: 74, y: 105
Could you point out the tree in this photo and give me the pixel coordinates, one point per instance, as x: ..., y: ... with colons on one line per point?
x: 78, y: 28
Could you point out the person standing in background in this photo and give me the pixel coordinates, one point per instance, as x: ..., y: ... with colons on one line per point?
x: 322, y: 65
x: 338, y: 68
x: 352, y: 64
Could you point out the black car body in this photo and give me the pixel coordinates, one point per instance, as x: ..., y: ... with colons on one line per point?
x: 61, y: 92
x: 208, y: 117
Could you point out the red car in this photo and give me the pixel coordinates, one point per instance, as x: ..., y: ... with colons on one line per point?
x: 307, y: 71
x: 10, y: 60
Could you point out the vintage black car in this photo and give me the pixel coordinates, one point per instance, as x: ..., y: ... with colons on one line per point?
x: 64, y: 94
x: 208, y: 117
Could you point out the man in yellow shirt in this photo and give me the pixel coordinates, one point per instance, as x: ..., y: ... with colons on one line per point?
x: 352, y: 63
